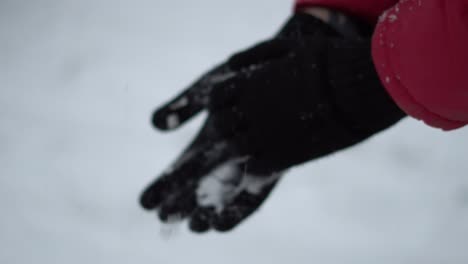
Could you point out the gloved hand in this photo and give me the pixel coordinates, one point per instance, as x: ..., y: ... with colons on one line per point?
x: 309, y: 91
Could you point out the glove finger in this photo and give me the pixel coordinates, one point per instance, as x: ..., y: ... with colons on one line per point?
x: 200, y: 221
x: 188, y: 173
x: 190, y: 102
x: 259, y: 54
x: 179, y: 205
x: 170, y: 180
x: 242, y: 206
x: 205, y: 153
x: 153, y: 194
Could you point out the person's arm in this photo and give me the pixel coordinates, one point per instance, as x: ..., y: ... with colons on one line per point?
x: 419, y: 50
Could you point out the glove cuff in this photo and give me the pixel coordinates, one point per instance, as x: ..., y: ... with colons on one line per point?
x: 340, y: 25
x: 353, y: 78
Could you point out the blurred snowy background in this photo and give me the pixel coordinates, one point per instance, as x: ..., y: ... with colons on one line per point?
x: 79, y: 80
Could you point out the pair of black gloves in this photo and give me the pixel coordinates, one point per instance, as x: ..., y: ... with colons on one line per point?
x: 309, y: 91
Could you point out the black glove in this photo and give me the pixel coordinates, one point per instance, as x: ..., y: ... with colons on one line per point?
x: 306, y: 93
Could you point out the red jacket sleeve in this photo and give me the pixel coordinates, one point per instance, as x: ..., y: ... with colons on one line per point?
x: 420, y: 50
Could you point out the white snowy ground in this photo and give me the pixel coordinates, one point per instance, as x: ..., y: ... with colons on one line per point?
x: 79, y: 80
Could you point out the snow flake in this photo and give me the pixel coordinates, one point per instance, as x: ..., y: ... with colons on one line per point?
x: 383, y: 17
x: 392, y: 18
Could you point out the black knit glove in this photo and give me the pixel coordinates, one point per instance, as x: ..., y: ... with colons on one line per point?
x: 309, y: 91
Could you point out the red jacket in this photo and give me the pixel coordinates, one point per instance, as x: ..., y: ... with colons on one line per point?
x: 420, y: 50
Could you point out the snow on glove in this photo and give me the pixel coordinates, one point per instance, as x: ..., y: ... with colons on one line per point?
x: 210, y: 184
x: 309, y: 91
